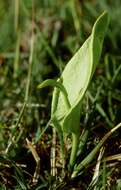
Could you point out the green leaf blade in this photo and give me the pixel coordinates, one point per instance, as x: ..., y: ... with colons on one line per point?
x: 77, y: 76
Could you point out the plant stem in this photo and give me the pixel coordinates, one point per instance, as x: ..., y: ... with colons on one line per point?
x: 17, y: 55
x: 83, y: 140
x: 57, y: 126
x: 53, y: 154
x: 75, y: 144
x: 16, y: 18
x: 17, y: 31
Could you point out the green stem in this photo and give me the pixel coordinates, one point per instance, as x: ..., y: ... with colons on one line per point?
x: 17, y: 55
x: 83, y: 140
x: 60, y: 86
x: 75, y: 144
x: 16, y: 18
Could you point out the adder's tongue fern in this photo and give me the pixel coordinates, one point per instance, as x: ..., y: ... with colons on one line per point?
x: 70, y: 90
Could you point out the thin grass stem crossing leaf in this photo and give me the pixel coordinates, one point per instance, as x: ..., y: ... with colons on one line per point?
x: 57, y: 84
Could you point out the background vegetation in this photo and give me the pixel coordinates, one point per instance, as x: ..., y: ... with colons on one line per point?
x: 60, y: 28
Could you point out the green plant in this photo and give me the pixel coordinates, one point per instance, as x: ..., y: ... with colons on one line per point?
x: 70, y: 89
x: 59, y: 29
